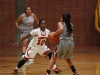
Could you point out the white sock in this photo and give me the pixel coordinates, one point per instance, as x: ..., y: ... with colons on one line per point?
x: 54, y: 66
x: 16, y: 68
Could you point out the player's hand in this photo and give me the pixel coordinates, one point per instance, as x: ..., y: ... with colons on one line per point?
x: 44, y: 56
x: 51, y: 37
x: 15, y: 44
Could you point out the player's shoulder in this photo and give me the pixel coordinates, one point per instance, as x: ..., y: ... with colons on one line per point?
x: 21, y: 16
x: 33, y: 15
x: 34, y: 31
x: 60, y: 23
x: 47, y: 30
x: 37, y: 29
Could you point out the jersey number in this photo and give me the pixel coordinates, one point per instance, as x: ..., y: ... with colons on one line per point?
x: 41, y: 41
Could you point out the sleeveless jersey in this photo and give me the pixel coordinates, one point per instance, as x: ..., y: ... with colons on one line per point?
x: 64, y: 34
x: 39, y: 37
x: 27, y: 22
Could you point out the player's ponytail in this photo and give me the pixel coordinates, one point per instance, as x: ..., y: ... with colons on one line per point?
x: 66, y: 18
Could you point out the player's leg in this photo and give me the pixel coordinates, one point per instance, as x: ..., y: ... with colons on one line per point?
x: 72, y: 66
x: 30, y: 60
x: 51, y: 63
x: 50, y: 66
x: 20, y: 64
x: 68, y: 54
x: 28, y: 54
x: 55, y: 68
x: 23, y: 60
x: 24, y: 47
x: 46, y: 51
x: 25, y: 44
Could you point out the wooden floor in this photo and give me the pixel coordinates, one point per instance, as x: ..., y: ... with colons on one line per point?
x: 86, y: 61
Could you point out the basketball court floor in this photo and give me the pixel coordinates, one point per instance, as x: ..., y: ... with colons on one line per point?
x: 86, y: 60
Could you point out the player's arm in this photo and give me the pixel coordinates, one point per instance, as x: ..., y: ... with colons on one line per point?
x: 48, y: 43
x: 36, y: 20
x: 29, y: 35
x: 60, y: 29
x: 19, y: 20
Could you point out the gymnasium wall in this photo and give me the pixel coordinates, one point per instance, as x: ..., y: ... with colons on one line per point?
x: 82, y: 13
x: 7, y: 22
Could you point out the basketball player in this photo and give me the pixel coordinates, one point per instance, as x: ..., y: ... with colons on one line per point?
x: 66, y: 44
x: 36, y: 45
x: 26, y: 21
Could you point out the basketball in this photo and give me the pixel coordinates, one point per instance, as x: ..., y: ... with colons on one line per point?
x: 56, y: 38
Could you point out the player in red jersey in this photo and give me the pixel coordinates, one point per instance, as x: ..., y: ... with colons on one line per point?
x: 36, y: 45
